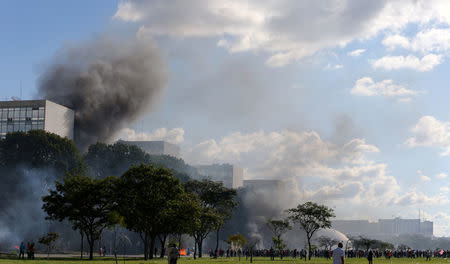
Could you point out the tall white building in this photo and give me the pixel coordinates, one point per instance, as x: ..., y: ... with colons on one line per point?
x: 231, y: 176
x: 26, y: 115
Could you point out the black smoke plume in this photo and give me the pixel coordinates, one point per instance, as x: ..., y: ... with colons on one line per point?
x: 108, y: 82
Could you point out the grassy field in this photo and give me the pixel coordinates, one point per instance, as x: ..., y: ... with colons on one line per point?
x: 223, y: 260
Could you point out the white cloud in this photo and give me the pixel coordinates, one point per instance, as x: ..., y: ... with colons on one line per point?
x: 422, y: 176
x: 441, y: 175
x: 367, y: 87
x: 430, y: 132
x: 417, y: 198
x: 444, y: 189
x: 426, y: 63
x: 285, y: 30
x: 356, y: 53
x: 394, y: 41
x: 175, y: 135
x: 436, y: 40
x: 334, y: 67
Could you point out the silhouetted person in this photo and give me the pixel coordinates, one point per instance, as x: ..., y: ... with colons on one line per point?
x: 172, y: 254
x: 22, y: 251
x: 28, y: 250
x: 338, y: 254
x: 370, y: 256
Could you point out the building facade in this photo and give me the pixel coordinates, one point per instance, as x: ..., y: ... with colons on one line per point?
x: 156, y: 147
x: 231, y: 176
x: 29, y: 115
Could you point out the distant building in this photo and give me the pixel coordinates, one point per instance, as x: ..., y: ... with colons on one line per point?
x: 26, y: 115
x: 231, y: 176
x: 265, y: 184
x: 384, y: 227
x: 398, y: 226
x: 156, y: 147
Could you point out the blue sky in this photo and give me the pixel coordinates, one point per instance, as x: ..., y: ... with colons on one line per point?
x: 347, y: 100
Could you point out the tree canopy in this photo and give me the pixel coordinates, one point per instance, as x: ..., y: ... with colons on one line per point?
x: 83, y: 201
x: 311, y: 217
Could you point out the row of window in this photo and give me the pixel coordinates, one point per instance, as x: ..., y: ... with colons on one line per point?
x: 23, y: 113
x: 8, y: 127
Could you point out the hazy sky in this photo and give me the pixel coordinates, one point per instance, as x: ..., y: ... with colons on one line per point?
x: 347, y: 100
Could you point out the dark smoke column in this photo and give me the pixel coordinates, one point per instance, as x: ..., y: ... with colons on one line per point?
x: 108, y: 82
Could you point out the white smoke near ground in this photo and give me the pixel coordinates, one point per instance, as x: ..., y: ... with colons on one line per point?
x: 22, y: 217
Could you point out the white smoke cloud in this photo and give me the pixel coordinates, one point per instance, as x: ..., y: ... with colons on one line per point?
x: 304, y: 156
x: 175, y: 135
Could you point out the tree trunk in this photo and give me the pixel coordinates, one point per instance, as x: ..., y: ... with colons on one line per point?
x: 115, y: 244
x: 217, y: 243
x: 82, y: 240
x: 195, y: 249
x: 91, y: 248
x: 309, y: 248
x: 200, y: 244
x: 145, y: 240
x: 152, y: 246
x: 162, y: 239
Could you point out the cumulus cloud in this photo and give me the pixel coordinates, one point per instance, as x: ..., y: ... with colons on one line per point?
x: 367, y: 87
x: 285, y: 30
x: 356, y: 53
x: 175, y: 135
x: 422, y: 176
x: 436, y: 40
x: 334, y: 67
x: 430, y: 132
x: 426, y: 63
x: 441, y: 175
x: 416, y: 198
x: 304, y: 156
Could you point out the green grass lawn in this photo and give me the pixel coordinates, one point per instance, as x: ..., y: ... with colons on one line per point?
x: 207, y: 260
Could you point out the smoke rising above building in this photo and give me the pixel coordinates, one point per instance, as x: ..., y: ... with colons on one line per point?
x: 108, y: 82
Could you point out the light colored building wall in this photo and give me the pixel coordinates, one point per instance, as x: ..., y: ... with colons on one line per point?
x: 59, y: 119
x: 231, y: 176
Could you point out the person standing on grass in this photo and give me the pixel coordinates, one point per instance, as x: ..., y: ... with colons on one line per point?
x: 338, y: 254
x: 22, y: 251
x: 172, y: 254
x: 370, y: 257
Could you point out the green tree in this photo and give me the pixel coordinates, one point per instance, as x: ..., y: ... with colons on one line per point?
x: 237, y: 241
x: 219, y: 201
x: 327, y: 242
x: 47, y: 240
x: 85, y: 202
x: 179, y: 217
x: 311, y: 217
x: 40, y: 149
x: 105, y: 160
x: 146, y: 192
x: 278, y: 228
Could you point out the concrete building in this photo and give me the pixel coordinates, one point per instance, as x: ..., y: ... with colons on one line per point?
x: 156, y: 147
x: 398, y: 226
x: 384, y: 227
x: 231, y: 176
x: 26, y: 115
